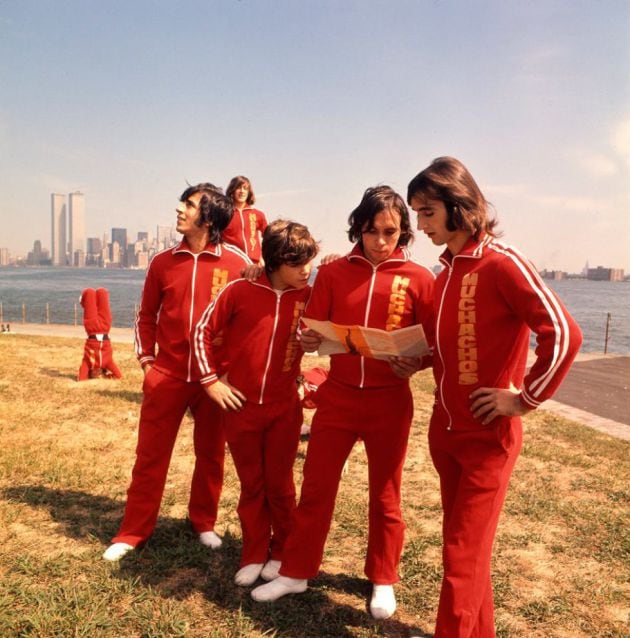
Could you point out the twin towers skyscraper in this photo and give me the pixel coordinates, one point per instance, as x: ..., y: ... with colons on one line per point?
x: 68, y: 229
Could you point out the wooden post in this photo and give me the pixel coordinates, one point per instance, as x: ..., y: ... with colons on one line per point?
x: 606, y: 338
x: 47, y: 313
x: 23, y: 313
x: 1, y: 313
x: 75, y: 313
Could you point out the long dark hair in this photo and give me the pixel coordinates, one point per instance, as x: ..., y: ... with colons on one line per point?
x: 375, y: 200
x: 215, y: 208
x: 237, y: 181
x: 448, y: 180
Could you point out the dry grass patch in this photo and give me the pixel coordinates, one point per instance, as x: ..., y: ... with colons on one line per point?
x: 561, y: 558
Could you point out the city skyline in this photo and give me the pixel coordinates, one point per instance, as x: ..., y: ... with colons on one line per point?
x: 165, y: 236
x: 318, y: 101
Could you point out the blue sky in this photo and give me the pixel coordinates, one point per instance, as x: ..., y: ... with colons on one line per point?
x: 315, y: 100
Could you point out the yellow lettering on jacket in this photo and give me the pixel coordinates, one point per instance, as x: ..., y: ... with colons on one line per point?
x: 396, y: 306
x: 292, y: 343
x: 219, y: 279
x: 467, y: 354
x: 252, y: 231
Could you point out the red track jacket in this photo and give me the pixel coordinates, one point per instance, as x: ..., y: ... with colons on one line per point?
x: 487, y: 299
x: 393, y: 294
x: 178, y: 288
x: 243, y: 231
x: 259, y: 325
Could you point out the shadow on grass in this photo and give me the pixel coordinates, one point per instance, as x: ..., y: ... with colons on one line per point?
x: 56, y: 374
x: 176, y: 565
x: 124, y: 395
x: 81, y: 515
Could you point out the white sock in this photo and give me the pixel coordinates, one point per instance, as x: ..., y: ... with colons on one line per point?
x: 248, y: 575
x: 117, y: 551
x: 278, y: 588
x: 270, y: 570
x: 210, y: 539
x: 383, y: 603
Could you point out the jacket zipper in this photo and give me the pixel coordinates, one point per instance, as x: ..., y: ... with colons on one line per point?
x: 273, y: 337
x: 437, y: 341
x: 190, y: 319
x: 245, y: 244
x: 365, y: 320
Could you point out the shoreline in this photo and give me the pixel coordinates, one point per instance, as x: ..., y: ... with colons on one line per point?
x: 611, y: 381
x: 126, y: 335
x: 117, y: 335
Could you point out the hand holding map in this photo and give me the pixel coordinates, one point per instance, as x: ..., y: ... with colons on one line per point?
x: 370, y: 342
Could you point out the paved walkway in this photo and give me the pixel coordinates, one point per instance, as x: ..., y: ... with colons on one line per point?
x: 121, y: 335
x: 596, y: 391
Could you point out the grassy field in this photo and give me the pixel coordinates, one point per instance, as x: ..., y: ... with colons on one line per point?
x: 561, y: 555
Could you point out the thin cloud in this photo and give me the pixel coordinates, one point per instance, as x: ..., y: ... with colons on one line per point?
x: 596, y: 164
x: 511, y: 190
x: 570, y: 202
x: 284, y: 193
x: 621, y: 141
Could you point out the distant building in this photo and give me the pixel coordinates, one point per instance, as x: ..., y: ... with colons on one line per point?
x: 556, y: 275
x: 142, y: 259
x: 605, y: 274
x: 76, y: 225
x: 115, y: 253
x: 119, y: 235
x: 4, y: 256
x: 94, y: 245
x: 58, y: 229
x: 78, y: 259
x: 38, y: 256
x: 166, y: 236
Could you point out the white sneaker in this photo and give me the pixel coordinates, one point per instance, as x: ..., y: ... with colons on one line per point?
x: 278, y: 588
x: 248, y: 575
x: 270, y: 570
x: 383, y: 603
x: 210, y: 539
x: 117, y: 551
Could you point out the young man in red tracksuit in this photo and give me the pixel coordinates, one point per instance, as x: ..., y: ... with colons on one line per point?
x: 259, y: 321
x: 180, y: 283
x: 248, y: 223
x: 376, y: 285
x: 487, y: 299
x: 98, y: 356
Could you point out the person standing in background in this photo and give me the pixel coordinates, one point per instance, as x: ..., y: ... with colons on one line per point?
x: 487, y: 299
x: 179, y: 285
x: 248, y: 223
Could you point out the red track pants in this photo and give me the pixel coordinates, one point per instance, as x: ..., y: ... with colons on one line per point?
x: 263, y: 440
x: 381, y: 417
x: 475, y: 469
x: 97, y: 357
x: 97, y: 320
x: 165, y: 402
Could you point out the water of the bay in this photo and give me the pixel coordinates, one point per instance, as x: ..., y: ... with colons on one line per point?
x: 28, y: 290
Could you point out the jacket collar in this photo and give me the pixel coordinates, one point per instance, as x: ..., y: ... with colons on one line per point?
x: 398, y: 256
x: 264, y: 282
x: 210, y: 249
x: 473, y: 249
